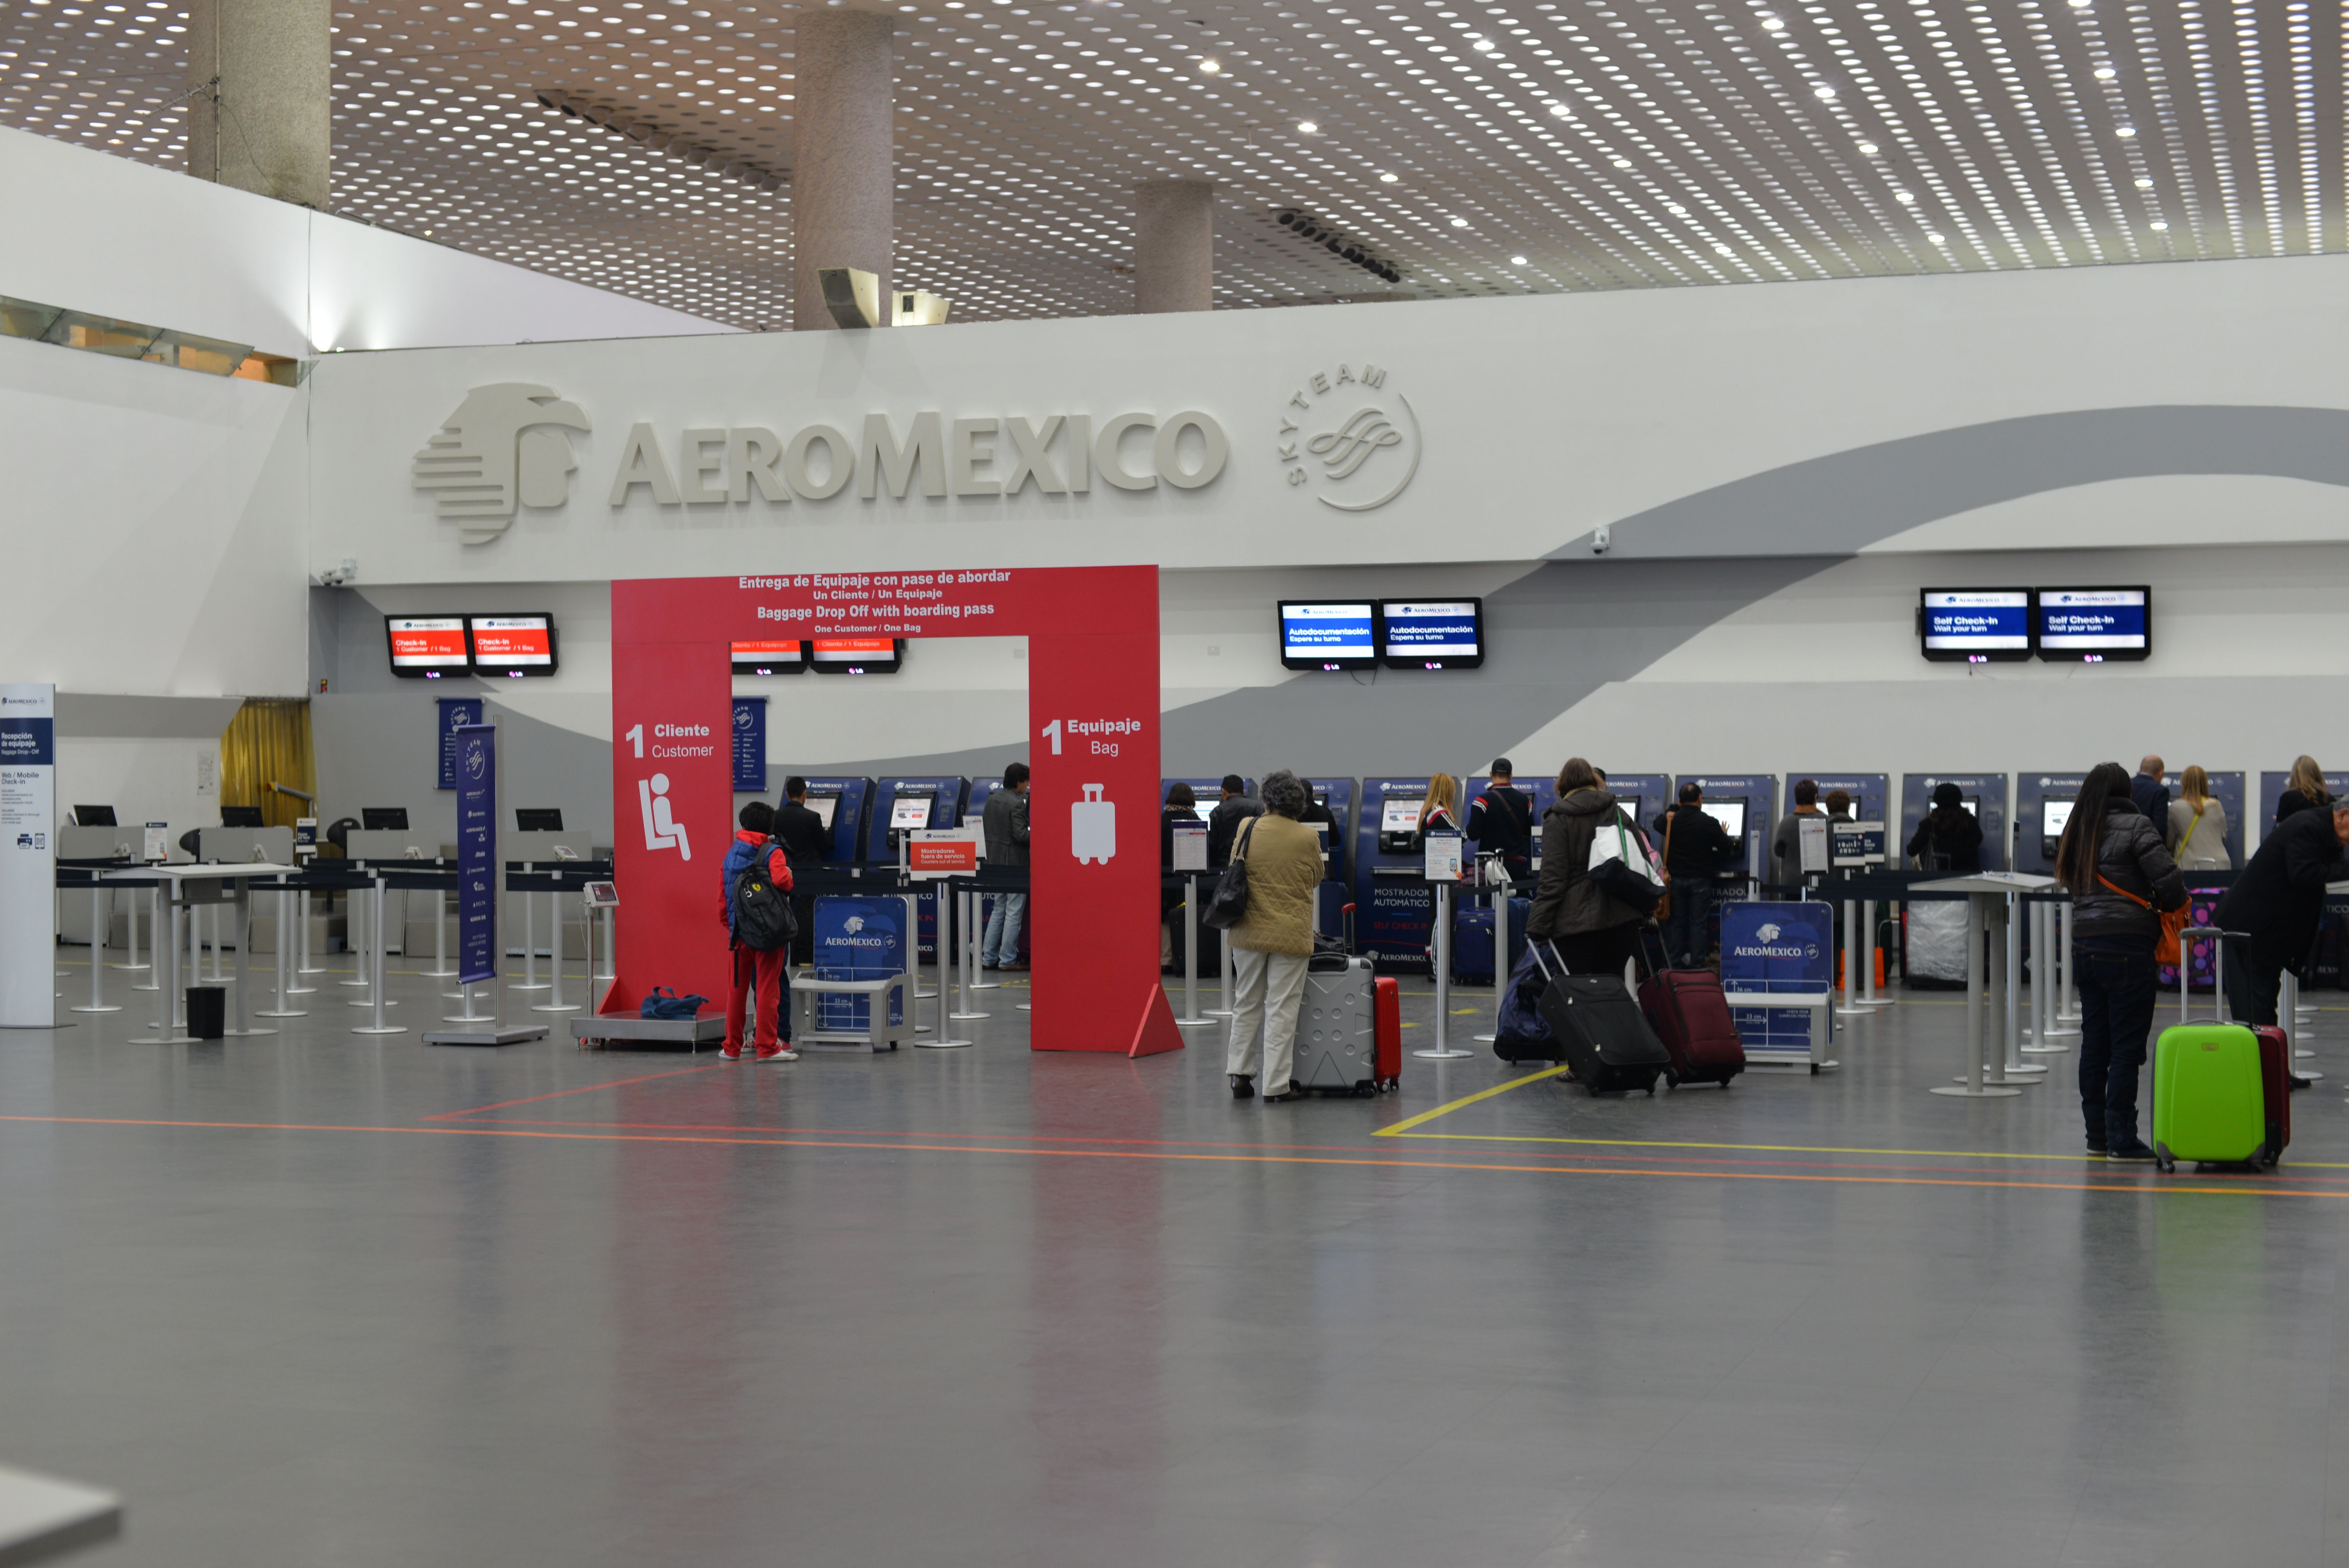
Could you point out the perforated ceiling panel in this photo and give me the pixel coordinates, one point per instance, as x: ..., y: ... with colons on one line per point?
x: 1473, y: 149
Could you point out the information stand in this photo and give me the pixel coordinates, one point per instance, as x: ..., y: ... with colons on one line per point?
x: 1190, y: 858
x: 1777, y: 974
x: 1442, y: 862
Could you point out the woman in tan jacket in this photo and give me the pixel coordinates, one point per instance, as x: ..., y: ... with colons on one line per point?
x: 1273, y: 941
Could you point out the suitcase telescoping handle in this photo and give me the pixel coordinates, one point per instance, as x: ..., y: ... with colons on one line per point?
x: 1544, y: 965
x: 2186, y: 937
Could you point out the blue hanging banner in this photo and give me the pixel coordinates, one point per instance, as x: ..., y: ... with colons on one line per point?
x: 751, y: 745
x: 454, y: 711
x: 475, y: 749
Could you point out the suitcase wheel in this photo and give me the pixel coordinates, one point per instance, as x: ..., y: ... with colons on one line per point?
x: 2162, y: 1159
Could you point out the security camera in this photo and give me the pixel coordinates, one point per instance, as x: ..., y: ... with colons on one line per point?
x: 336, y: 576
x: 1602, y: 538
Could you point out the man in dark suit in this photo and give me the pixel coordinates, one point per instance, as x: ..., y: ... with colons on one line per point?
x: 2150, y: 795
x: 2278, y: 899
x: 806, y: 842
x: 1224, y: 822
x: 1501, y: 821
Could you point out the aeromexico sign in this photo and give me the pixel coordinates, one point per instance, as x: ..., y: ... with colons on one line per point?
x: 506, y: 446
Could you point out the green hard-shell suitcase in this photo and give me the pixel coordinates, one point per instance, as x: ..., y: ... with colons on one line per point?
x: 2209, y: 1102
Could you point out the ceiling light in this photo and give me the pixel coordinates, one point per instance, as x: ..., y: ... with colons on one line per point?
x: 2159, y: 227
x: 1484, y: 43
x: 1937, y: 239
x: 1516, y: 260
x: 1209, y: 67
x: 2126, y: 131
x: 1825, y: 95
x: 1560, y: 109
x: 2105, y: 73
x: 1772, y: 25
x: 1459, y: 222
x: 1308, y: 127
x: 1867, y: 149
x: 1904, y: 197
x: 1622, y: 163
x: 1388, y: 179
x: 2143, y: 183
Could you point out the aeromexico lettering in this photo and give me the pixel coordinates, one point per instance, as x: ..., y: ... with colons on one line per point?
x: 505, y: 447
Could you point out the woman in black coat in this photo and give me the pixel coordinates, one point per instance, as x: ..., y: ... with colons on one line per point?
x: 2112, y: 861
x: 1949, y: 839
x: 2278, y: 899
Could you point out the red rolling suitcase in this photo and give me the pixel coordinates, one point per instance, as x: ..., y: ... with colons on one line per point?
x: 1690, y: 1015
x: 2275, y: 1087
x: 1386, y: 1011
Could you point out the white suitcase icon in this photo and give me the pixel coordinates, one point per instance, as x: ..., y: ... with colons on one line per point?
x: 1092, y: 827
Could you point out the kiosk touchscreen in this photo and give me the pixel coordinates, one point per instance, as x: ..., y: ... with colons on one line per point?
x: 2042, y: 804
x: 846, y: 804
x: 1729, y: 813
x: 1393, y: 906
x: 1983, y: 794
x: 903, y: 806
x: 1862, y: 837
x: 1744, y: 804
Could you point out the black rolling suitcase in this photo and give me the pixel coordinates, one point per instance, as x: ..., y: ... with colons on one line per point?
x: 1605, y: 1036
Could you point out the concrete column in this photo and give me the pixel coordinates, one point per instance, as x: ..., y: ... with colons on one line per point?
x: 1174, y: 245
x: 842, y: 165
x: 260, y: 116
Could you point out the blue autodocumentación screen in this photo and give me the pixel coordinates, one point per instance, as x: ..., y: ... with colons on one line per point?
x: 2093, y: 620
x: 1976, y: 620
x: 1434, y: 629
x: 1331, y: 631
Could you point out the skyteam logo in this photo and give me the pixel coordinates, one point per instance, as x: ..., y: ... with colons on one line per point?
x: 505, y: 445
x: 1349, y: 438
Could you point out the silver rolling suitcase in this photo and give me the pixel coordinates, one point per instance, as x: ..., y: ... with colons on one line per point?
x: 1337, y: 1027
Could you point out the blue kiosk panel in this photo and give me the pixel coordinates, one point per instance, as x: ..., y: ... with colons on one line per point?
x: 1747, y: 804
x: 903, y: 806
x: 846, y: 804
x: 1644, y: 794
x: 2037, y: 827
x: 1336, y: 879
x: 1393, y: 906
x: 1985, y: 796
x: 1205, y: 792
x: 1871, y: 795
x: 2272, y: 787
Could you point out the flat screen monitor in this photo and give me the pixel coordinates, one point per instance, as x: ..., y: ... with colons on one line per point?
x: 782, y: 658
x: 1329, y: 634
x: 512, y: 645
x: 538, y: 819
x: 95, y: 816
x: 1399, y: 813
x: 2093, y: 624
x: 427, y: 646
x: 910, y: 810
x: 824, y: 806
x: 2054, y: 815
x: 389, y: 819
x: 1730, y: 814
x: 1974, y: 625
x: 1431, y: 634
x: 241, y: 816
x: 858, y: 656
x: 1205, y: 809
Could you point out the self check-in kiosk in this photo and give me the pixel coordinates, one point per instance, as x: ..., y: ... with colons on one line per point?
x: 1206, y: 794
x: 1745, y: 805
x: 1643, y: 795
x: 1985, y: 797
x: 903, y: 805
x: 846, y: 806
x: 1337, y: 879
x: 1866, y: 839
x: 2042, y: 804
x: 1392, y: 901
x: 2272, y: 787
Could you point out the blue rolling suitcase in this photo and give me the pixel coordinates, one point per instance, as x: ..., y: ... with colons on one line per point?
x: 1471, y: 941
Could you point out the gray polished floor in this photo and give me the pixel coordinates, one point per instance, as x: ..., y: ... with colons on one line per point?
x: 317, y: 1298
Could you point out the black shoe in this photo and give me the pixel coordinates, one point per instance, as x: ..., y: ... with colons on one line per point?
x: 2298, y: 1082
x: 2132, y: 1154
x: 1243, y: 1086
x: 1285, y: 1096
x: 2097, y: 1151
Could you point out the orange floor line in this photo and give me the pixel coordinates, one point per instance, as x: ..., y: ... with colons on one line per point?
x: 583, y: 1088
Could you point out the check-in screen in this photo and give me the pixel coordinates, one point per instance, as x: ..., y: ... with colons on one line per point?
x: 1960, y: 621
x: 512, y: 642
x: 1399, y: 813
x: 911, y: 812
x: 427, y: 643
x: 824, y: 806
x: 2054, y: 815
x: 1730, y: 814
x: 1316, y: 633
x: 2094, y: 621
x: 1419, y: 629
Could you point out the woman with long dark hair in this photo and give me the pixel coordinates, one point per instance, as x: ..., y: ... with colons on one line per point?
x: 2120, y: 879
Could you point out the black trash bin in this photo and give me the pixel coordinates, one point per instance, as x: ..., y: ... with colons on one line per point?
x: 207, y: 1012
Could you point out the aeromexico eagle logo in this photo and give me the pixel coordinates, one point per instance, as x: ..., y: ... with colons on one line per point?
x: 505, y: 445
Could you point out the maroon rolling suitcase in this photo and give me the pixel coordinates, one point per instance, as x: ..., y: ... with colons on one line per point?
x: 1690, y: 1015
x: 2275, y: 1087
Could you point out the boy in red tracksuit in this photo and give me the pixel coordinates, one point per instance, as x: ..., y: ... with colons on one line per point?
x: 768, y: 971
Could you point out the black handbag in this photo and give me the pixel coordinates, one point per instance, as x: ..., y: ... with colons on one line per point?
x: 1227, y: 905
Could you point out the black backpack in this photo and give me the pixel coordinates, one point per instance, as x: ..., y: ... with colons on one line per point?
x: 763, y: 917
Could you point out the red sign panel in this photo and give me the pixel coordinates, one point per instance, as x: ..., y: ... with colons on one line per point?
x: 427, y: 641
x: 511, y: 640
x: 940, y: 856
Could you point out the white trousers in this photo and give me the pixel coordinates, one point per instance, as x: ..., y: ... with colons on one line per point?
x: 1271, y: 994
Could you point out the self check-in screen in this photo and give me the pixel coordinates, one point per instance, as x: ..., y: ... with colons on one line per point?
x: 910, y: 810
x: 1399, y: 813
x: 1433, y: 633
x: 425, y: 645
x: 2107, y: 622
x: 1327, y: 634
x: 2053, y: 816
x: 1976, y: 623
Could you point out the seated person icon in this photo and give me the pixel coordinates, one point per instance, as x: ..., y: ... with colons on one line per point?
x: 662, y: 829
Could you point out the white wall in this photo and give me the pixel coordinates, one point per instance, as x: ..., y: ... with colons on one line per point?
x: 97, y: 233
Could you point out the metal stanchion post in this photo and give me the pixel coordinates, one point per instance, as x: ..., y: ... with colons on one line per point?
x: 967, y: 903
x: 530, y: 980
x: 1224, y: 961
x: 130, y: 932
x: 1443, y: 908
x: 1500, y: 958
x: 357, y: 940
x: 1974, y: 1088
x: 1191, y: 952
x: 440, y: 970
x: 241, y: 928
x: 154, y: 965
x: 97, y: 949
x: 555, y: 1004
x: 285, y: 897
x: 2295, y: 1021
x: 1851, y: 954
x: 2006, y: 968
x: 303, y: 914
x: 369, y: 957
x: 375, y: 1025
x: 977, y: 975
x: 2067, y: 996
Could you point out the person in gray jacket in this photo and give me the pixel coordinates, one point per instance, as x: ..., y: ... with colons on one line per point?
x: 2121, y: 879
x: 1005, y: 819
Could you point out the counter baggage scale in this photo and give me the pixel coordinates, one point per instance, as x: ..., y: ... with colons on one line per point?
x: 1985, y: 796
x: 1392, y: 899
x: 903, y: 806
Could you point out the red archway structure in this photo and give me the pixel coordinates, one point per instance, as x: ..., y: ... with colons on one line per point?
x: 1092, y: 704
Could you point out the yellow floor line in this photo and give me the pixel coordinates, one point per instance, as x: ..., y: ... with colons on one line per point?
x: 1404, y: 1126
x: 1401, y: 1130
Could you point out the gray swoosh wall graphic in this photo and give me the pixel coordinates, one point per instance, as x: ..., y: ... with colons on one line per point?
x: 1572, y: 625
